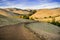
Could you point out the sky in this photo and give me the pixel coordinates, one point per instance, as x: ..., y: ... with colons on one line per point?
x: 29, y: 4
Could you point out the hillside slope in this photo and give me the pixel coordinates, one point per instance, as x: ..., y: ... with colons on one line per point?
x: 6, y: 13
x: 7, y: 21
x: 47, y: 15
x: 4, y: 20
x: 17, y: 11
x: 45, y: 31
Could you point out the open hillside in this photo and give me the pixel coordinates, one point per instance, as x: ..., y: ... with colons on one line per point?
x: 7, y: 21
x: 17, y: 11
x: 4, y: 20
x: 8, y: 13
x: 47, y: 15
x: 14, y: 25
x: 45, y: 31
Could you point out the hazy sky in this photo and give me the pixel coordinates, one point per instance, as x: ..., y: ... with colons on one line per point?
x: 32, y: 4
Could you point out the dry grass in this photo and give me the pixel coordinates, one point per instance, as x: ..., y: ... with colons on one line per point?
x: 41, y: 14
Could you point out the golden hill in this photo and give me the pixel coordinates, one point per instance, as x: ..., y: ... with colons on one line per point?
x: 18, y: 11
x: 3, y: 12
x: 47, y: 15
x: 14, y: 12
x: 7, y: 13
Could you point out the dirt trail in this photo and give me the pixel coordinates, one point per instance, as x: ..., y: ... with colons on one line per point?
x: 16, y: 32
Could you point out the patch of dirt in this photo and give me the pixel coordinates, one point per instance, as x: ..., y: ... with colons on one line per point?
x: 16, y: 32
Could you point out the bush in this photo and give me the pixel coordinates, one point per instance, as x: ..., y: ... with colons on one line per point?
x: 56, y: 23
x: 31, y: 18
x: 45, y: 17
x: 50, y: 17
x: 25, y: 17
x: 32, y: 12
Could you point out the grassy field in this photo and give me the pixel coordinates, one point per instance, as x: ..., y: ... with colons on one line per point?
x: 46, y: 30
x: 10, y: 21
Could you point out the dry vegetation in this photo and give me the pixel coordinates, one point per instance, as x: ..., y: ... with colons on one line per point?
x: 14, y: 24
x: 46, y: 15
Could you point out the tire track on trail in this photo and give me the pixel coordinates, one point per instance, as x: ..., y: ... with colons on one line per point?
x: 16, y: 32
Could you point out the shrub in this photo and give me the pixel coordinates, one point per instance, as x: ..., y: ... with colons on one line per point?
x: 56, y: 23
x: 50, y: 17
x: 25, y: 17
x: 32, y: 12
x: 45, y: 17
x: 31, y: 18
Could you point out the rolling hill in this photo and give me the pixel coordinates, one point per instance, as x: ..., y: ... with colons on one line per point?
x: 16, y: 13
x: 7, y: 13
x: 47, y: 15
x: 12, y: 27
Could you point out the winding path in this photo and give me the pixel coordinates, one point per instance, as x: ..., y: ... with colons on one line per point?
x: 16, y: 32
